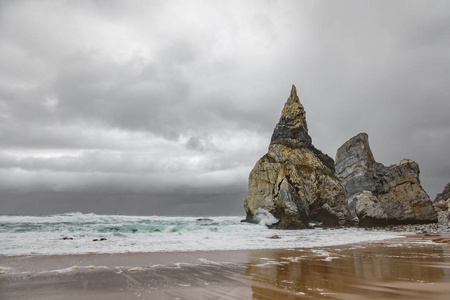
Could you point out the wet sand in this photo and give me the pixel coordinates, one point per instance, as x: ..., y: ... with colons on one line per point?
x: 409, y: 268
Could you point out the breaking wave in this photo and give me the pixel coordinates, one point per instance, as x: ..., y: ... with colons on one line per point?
x: 77, y: 233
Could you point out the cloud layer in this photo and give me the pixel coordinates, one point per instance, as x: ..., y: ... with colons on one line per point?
x: 121, y: 102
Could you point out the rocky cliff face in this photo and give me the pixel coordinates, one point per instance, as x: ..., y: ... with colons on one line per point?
x: 380, y: 195
x: 442, y: 206
x: 294, y: 181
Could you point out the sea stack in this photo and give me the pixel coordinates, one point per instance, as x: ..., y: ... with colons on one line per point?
x: 378, y: 195
x: 294, y: 181
x: 442, y: 206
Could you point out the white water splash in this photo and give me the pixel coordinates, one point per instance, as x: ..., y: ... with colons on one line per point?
x: 264, y: 217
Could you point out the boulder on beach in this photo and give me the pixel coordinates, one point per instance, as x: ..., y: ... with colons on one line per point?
x: 378, y: 195
x: 294, y: 181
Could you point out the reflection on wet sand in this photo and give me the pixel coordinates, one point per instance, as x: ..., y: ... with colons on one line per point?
x: 379, y: 270
x: 411, y: 268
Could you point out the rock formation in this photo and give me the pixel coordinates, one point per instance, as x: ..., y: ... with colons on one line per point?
x: 380, y: 195
x: 442, y: 206
x: 294, y: 181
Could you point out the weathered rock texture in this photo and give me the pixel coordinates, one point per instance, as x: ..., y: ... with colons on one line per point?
x: 442, y: 206
x: 295, y: 181
x: 380, y: 195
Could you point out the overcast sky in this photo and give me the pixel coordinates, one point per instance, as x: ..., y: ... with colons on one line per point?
x: 164, y: 107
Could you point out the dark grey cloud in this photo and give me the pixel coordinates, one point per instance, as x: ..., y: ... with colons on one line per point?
x: 114, y: 102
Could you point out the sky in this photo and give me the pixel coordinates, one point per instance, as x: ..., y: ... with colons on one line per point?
x: 164, y: 107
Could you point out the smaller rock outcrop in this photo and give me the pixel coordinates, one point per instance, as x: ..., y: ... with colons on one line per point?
x: 378, y: 195
x: 442, y: 206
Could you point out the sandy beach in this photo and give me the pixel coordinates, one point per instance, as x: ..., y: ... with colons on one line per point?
x: 413, y: 267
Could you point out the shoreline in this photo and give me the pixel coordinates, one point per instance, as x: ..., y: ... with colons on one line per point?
x: 400, y: 235
x: 406, y: 267
x: 253, y: 238
x: 400, y: 230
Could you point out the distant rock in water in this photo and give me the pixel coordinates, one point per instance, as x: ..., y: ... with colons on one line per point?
x: 294, y: 181
x: 442, y: 205
x: 204, y: 220
x: 380, y: 195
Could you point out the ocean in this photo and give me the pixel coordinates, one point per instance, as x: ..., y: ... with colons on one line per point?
x: 78, y: 233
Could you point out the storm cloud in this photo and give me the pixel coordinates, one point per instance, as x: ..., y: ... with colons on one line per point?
x: 163, y: 107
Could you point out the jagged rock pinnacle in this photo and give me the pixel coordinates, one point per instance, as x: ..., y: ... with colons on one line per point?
x: 293, y: 93
x: 294, y: 181
x: 292, y: 130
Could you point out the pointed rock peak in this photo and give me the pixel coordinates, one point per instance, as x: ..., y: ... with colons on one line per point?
x: 293, y: 93
x: 292, y: 130
x: 293, y: 113
x: 292, y: 100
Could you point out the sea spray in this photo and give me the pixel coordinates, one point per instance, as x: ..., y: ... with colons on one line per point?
x: 264, y: 218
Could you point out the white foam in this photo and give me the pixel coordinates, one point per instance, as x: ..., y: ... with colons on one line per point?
x: 4, y: 270
x: 264, y: 217
x: 208, y: 262
x: 74, y: 268
x: 292, y: 259
x: 21, y: 235
x: 287, y: 281
x: 330, y: 258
